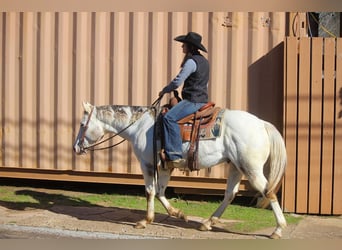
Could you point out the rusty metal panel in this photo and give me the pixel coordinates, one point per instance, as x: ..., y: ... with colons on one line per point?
x: 52, y: 61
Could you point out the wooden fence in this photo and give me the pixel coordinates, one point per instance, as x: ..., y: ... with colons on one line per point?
x: 313, y: 125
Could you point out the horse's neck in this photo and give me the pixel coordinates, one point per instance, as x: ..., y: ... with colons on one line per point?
x: 131, y: 120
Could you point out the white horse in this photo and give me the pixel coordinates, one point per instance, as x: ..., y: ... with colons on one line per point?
x: 253, y: 147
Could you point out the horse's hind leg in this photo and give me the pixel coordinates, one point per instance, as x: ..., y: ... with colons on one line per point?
x: 164, y: 177
x: 278, y: 214
x: 259, y: 182
x: 233, y: 184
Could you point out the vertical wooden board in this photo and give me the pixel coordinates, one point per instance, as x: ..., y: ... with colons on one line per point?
x: 328, y: 124
x: 303, y: 126
x: 290, y: 115
x: 11, y: 91
x: 316, y: 126
x: 64, y: 91
x: 337, y: 194
x: 2, y: 81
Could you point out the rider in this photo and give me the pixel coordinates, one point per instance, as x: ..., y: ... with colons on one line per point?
x: 194, y: 73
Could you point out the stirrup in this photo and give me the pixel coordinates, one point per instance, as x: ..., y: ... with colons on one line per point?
x: 162, y: 155
x: 179, y: 163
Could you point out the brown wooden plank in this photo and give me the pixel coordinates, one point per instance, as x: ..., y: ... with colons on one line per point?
x: 290, y: 120
x: 315, y: 135
x: 328, y: 122
x: 337, y: 194
x: 303, y: 126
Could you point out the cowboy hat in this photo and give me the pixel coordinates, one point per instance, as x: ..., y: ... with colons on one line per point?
x: 192, y: 38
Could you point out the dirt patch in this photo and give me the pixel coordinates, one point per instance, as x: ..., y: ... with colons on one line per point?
x: 121, y: 221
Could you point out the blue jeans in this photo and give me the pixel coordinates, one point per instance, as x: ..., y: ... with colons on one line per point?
x: 172, y: 136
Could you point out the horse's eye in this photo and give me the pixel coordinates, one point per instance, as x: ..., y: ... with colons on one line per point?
x: 121, y: 111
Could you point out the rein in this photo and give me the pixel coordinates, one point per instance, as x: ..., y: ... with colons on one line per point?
x: 92, y: 147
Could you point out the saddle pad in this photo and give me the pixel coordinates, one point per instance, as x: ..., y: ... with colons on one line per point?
x: 207, y: 131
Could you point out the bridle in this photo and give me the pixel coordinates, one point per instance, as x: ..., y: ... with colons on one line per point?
x: 93, y: 146
x: 84, y: 129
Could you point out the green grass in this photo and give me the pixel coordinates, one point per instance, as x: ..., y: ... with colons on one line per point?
x: 248, y: 219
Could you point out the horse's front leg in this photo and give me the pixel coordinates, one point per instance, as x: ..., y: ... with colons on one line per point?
x: 164, y: 177
x: 150, y: 195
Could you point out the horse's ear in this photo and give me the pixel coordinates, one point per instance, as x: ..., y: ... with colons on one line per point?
x: 87, y: 107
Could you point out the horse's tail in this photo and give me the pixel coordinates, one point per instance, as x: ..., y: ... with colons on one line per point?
x: 276, y: 164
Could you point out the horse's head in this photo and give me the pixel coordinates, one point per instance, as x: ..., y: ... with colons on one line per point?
x: 91, y: 129
x: 98, y: 121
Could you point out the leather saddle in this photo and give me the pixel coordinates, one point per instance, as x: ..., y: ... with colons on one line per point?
x: 197, y: 126
x: 202, y: 119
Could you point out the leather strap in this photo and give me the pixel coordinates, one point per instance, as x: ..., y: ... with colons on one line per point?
x: 192, y: 153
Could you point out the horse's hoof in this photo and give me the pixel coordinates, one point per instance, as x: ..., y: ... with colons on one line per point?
x: 140, y: 224
x: 204, y: 227
x: 214, y: 220
x: 181, y: 215
x: 275, y: 236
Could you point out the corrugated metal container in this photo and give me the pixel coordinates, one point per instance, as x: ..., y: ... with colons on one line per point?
x: 52, y: 61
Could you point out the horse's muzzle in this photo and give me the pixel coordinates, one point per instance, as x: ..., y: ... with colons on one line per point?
x: 78, y: 149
